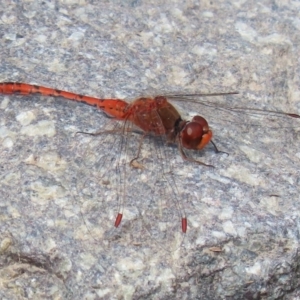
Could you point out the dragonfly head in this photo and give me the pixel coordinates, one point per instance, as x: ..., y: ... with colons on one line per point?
x: 195, y: 134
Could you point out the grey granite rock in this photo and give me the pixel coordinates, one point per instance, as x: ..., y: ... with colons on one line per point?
x: 60, y: 190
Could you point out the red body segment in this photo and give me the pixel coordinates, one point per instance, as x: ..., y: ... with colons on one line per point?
x: 113, y: 107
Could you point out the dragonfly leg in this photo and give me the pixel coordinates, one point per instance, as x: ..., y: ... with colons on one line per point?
x: 185, y: 157
x: 216, y: 149
x: 113, y: 131
x: 133, y: 162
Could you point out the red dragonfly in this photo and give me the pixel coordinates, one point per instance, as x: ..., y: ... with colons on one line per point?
x: 154, y: 116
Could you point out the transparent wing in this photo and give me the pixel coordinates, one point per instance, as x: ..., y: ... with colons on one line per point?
x: 145, y: 192
x: 225, y: 107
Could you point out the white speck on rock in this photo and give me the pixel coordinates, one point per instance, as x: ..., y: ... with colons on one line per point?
x: 229, y: 79
x: 10, y: 36
x: 41, y: 38
x: 200, y: 50
x: 242, y: 232
x: 76, y: 36
x: 271, y: 204
x: 8, y: 19
x: 79, y: 2
x: 55, y: 66
x: 14, y: 212
x: 226, y: 213
x: 5, y: 244
x: 242, y: 174
x: 49, y: 161
x: 41, y: 193
x: 4, y: 103
x: 274, y: 39
x: 255, y: 269
x: 252, y: 154
x: 41, y: 128
x: 178, y: 75
x: 50, y: 244
x: 218, y: 234
x: 8, y: 142
x: 247, y: 32
x: 103, y: 292
x: 229, y: 228
x: 133, y: 265
x: 29, y: 13
x: 25, y: 118
x: 87, y: 260
x: 208, y: 14
x: 11, y: 177
x: 296, y: 23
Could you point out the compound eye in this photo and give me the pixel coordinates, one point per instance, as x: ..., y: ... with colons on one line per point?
x: 195, y: 134
x: 202, y: 122
x: 191, y: 135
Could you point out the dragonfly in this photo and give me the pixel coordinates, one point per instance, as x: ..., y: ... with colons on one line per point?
x: 153, y: 116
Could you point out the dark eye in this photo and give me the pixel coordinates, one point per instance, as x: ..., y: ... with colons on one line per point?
x: 195, y: 134
x: 202, y: 122
x: 191, y: 135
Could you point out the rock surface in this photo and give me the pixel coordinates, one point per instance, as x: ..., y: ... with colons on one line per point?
x: 60, y: 189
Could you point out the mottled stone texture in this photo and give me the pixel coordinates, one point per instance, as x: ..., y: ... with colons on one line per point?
x: 60, y: 189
